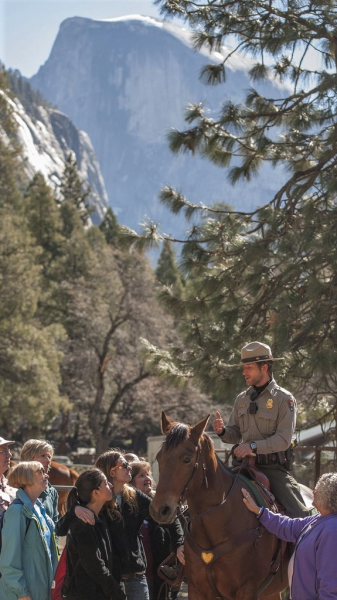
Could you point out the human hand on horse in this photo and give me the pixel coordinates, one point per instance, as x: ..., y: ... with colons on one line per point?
x: 218, y: 424
x: 249, y: 502
x: 85, y: 514
x: 181, y: 554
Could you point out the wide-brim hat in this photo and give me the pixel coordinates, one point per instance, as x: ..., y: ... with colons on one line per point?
x: 256, y: 352
x: 3, y: 441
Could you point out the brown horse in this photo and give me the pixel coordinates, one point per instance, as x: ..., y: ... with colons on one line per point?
x: 228, y: 553
x: 60, y: 474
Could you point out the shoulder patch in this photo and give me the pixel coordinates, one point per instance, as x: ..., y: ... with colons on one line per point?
x: 291, y: 404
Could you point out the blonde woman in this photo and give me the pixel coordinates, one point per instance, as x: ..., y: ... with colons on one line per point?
x: 43, y: 452
x: 29, y: 553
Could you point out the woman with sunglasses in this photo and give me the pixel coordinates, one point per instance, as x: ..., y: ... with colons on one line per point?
x: 127, y: 510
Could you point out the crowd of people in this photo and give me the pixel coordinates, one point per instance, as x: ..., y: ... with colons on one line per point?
x: 114, y: 548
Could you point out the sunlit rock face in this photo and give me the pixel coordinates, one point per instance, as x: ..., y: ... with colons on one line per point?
x: 47, y: 137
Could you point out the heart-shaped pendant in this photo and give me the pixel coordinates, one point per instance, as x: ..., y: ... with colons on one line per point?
x: 207, y: 557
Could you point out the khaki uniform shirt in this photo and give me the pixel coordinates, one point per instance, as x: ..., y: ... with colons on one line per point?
x: 273, y: 425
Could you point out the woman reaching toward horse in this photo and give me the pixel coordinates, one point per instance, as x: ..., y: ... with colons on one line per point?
x: 312, y: 570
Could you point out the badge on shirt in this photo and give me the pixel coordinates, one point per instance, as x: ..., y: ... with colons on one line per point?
x: 269, y: 403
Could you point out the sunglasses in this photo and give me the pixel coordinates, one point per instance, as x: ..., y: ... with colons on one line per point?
x: 124, y: 464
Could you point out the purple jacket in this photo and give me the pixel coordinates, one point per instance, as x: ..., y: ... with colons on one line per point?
x: 315, y: 570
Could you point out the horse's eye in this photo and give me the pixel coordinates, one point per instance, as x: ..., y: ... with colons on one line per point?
x: 187, y: 460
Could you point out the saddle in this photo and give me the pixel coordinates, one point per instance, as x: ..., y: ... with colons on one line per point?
x: 250, y: 471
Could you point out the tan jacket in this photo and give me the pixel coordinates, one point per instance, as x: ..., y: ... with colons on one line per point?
x: 272, y: 427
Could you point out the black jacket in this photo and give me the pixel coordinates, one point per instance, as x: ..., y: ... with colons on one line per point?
x: 90, y: 562
x: 163, y: 540
x: 131, y: 524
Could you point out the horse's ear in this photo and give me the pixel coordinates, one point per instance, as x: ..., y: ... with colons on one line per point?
x: 166, y: 423
x: 198, y: 429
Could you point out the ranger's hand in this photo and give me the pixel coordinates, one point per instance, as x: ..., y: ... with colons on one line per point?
x: 218, y: 423
x: 243, y: 450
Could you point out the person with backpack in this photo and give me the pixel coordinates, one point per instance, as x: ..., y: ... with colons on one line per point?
x: 29, y: 555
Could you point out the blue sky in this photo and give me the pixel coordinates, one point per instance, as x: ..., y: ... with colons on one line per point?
x: 28, y: 28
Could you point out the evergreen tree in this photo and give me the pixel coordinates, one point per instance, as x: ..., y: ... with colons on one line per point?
x: 43, y: 217
x: 269, y: 274
x: 72, y: 191
x: 167, y: 271
x: 29, y: 352
x: 109, y: 226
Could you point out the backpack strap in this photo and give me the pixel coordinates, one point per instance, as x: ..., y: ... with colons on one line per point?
x: 18, y: 501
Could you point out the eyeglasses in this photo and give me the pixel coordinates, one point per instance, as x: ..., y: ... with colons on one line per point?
x: 124, y: 464
x: 6, y: 452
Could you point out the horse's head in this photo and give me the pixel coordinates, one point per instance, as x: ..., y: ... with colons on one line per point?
x: 181, y: 469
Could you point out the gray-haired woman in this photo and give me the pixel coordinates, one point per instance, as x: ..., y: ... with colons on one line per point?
x: 312, y: 571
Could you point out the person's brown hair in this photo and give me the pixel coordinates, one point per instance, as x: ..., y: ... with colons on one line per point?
x: 137, y: 466
x: 105, y: 462
x: 86, y: 483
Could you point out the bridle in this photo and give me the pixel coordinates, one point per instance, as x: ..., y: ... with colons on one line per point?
x: 182, y: 495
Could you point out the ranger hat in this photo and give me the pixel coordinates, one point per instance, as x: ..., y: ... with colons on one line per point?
x: 3, y: 441
x: 256, y: 352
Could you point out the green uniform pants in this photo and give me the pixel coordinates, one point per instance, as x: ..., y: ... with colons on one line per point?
x: 286, y: 490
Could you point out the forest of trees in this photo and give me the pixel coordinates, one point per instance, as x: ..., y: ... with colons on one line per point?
x: 74, y: 310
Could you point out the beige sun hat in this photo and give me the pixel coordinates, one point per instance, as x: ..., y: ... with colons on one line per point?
x: 256, y: 352
x: 3, y: 441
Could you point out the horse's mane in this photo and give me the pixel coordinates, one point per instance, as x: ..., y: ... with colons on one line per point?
x: 179, y: 432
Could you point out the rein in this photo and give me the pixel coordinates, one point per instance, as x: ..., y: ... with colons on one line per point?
x: 206, y: 512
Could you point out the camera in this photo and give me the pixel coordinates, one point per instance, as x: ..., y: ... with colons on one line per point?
x: 253, y: 407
